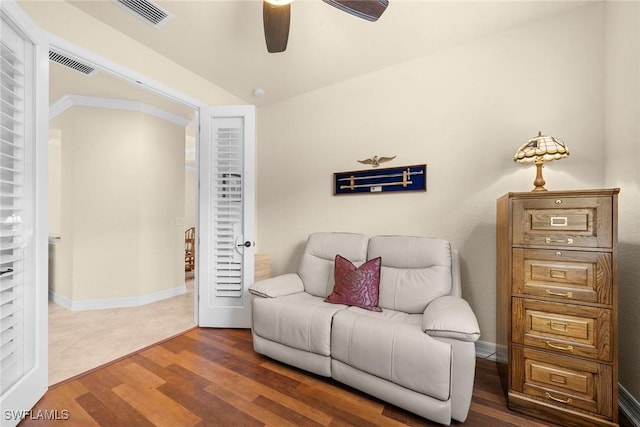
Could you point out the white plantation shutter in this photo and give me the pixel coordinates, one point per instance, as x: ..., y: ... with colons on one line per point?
x: 227, y: 142
x: 225, y: 265
x: 15, y: 191
x: 23, y: 238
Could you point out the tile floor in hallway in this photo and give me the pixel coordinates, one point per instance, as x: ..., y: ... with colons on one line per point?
x: 83, y: 340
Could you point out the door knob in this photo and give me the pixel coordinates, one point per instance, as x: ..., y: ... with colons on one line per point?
x: 246, y: 244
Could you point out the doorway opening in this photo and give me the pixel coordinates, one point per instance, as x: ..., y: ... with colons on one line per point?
x: 92, y: 207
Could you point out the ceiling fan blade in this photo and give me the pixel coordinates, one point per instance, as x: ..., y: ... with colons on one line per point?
x: 370, y: 10
x: 276, y: 20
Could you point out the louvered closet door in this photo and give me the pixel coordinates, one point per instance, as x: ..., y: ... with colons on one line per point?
x: 23, y: 240
x: 225, y: 236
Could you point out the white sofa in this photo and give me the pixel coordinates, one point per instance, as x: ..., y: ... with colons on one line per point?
x: 418, y: 353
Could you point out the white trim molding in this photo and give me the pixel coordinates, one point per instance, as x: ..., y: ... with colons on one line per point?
x: 125, y: 302
x: 69, y: 101
x: 628, y: 405
x: 104, y: 64
x: 485, y: 350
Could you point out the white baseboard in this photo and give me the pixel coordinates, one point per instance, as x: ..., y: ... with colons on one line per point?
x: 629, y: 406
x: 127, y: 302
x: 486, y: 350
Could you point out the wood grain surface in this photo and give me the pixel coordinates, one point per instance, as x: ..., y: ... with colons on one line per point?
x: 212, y: 377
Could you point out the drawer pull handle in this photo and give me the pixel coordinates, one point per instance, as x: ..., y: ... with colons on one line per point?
x: 560, y: 347
x: 568, y: 240
x: 556, y: 399
x: 560, y: 294
x: 558, y: 221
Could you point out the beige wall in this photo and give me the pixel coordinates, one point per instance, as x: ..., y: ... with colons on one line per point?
x: 54, y: 181
x: 464, y: 111
x: 190, y: 182
x: 622, y: 160
x: 55, y: 178
x: 122, y: 188
x: 190, y: 198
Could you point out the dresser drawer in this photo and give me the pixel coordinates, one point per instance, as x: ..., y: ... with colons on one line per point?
x: 566, y: 382
x: 563, y: 275
x: 563, y: 222
x: 563, y: 328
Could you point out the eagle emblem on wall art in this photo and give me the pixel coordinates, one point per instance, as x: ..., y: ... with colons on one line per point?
x: 375, y: 161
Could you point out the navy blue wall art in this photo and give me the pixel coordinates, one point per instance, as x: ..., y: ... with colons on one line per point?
x: 401, y: 178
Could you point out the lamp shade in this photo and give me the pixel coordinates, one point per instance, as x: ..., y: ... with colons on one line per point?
x: 541, y: 148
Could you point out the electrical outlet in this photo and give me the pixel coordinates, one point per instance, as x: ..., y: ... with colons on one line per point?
x: 179, y: 220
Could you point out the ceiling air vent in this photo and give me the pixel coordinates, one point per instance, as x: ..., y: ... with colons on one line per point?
x: 71, y: 63
x: 146, y: 10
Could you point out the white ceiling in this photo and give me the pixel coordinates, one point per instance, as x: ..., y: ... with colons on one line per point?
x: 223, y: 40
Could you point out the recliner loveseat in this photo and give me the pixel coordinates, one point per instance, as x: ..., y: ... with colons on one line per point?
x: 418, y: 353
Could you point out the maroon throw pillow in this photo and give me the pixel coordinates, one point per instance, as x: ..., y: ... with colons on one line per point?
x: 358, y: 286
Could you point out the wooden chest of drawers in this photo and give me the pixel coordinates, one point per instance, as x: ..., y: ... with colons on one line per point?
x: 557, y: 305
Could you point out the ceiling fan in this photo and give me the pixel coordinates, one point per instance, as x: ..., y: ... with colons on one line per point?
x: 276, y: 15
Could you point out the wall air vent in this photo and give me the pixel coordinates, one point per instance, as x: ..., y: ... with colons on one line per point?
x: 146, y: 10
x: 71, y: 63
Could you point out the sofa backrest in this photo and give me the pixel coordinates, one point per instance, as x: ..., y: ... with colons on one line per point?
x: 317, y: 265
x: 415, y: 270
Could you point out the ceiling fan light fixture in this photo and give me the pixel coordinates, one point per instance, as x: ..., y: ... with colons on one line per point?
x: 276, y: 20
x: 276, y: 16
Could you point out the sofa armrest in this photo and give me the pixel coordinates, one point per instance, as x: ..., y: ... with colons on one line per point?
x: 278, y: 286
x: 450, y: 317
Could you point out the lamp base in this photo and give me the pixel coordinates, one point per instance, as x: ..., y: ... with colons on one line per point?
x: 539, y: 181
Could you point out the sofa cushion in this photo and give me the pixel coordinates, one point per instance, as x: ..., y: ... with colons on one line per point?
x: 298, y: 320
x: 278, y: 286
x: 358, y: 286
x: 392, y: 345
x: 415, y: 270
x: 317, y: 264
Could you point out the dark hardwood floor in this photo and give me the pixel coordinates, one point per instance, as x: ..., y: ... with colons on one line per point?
x: 212, y: 377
